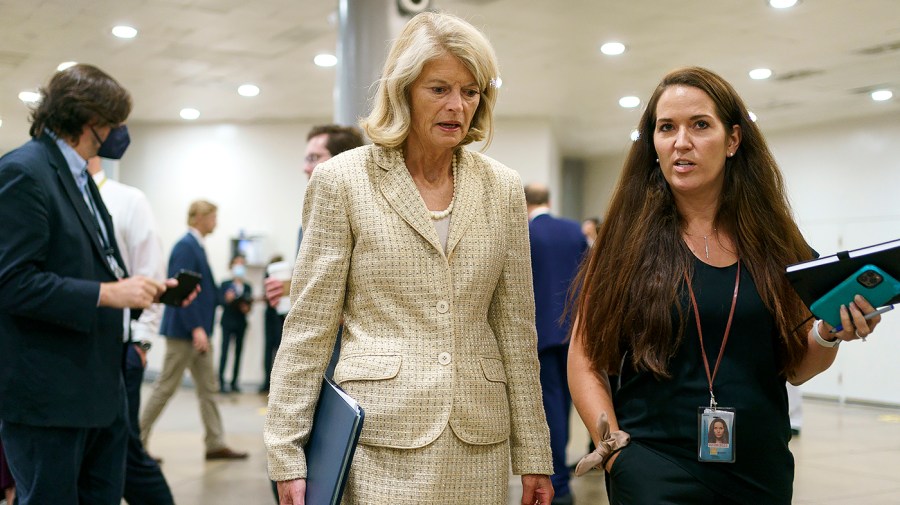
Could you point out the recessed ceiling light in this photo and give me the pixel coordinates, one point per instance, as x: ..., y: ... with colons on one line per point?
x: 752, y: 115
x: 30, y: 96
x: 635, y: 134
x: 760, y: 73
x: 782, y: 4
x: 66, y: 64
x: 325, y: 60
x: 612, y: 48
x: 882, y: 95
x: 629, y: 102
x: 189, y: 114
x: 124, y: 32
x: 248, y: 90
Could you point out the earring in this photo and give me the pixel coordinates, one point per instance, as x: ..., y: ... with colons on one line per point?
x: 657, y: 161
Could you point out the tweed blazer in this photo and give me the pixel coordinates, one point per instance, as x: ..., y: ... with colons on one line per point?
x: 431, y: 339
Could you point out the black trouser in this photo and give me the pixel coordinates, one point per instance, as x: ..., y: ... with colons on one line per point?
x: 144, y: 481
x: 557, y: 405
x: 228, y: 334
x: 641, y: 476
x: 67, y: 465
x: 273, y: 326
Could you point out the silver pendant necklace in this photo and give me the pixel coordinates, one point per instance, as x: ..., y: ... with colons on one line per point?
x: 705, y: 241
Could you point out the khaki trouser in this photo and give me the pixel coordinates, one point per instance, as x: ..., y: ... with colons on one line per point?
x: 180, y: 354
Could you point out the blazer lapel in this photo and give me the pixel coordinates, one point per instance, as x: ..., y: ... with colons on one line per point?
x: 74, y: 194
x: 108, y: 222
x: 468, y: 203
x: 402, y: 195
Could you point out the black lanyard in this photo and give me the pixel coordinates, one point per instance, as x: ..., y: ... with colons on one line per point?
x: 108, y: 251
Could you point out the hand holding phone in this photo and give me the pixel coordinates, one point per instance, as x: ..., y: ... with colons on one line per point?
x: 873, y: 283
x: 187, y: 282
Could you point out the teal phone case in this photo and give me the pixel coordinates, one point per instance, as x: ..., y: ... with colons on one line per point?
x: 873, y: 283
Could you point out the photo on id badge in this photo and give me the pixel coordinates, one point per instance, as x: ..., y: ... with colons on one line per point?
x: 716, y: 435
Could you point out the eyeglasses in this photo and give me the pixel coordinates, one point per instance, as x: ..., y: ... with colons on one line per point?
x: 312, y: 158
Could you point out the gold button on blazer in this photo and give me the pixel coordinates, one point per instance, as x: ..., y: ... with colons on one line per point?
x: 431, y: 338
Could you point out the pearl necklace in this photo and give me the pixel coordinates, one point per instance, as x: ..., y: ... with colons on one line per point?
x: 437, y: 215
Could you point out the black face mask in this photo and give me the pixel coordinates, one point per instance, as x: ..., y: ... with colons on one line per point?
x: 116, y: 143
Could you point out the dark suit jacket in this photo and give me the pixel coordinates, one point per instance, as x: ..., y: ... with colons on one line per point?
x: 232, y: 316
x: 60, y: 354
x: 180, y: 322
x: 557, y: 246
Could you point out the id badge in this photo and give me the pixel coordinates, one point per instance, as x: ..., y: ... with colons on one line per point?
x: 715, y: 434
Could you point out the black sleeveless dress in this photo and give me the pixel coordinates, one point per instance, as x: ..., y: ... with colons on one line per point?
x: 661, y: 415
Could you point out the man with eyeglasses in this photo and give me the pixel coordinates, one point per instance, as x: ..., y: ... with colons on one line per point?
x: 322, y: 143
x: 64, y: 293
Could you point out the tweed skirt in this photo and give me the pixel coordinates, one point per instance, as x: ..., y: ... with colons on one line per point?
x: 446, y: 471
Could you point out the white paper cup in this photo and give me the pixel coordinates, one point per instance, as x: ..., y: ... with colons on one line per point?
x: 282, y: 270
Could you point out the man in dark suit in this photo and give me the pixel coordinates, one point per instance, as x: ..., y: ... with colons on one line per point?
x: 557, y: 247
x: 237, y: 295
x: 63, y: 289
x: 323, y: 142
x: 187, y: 331
x: 139, y: 245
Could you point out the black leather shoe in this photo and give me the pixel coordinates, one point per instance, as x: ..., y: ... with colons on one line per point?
x: 225, y: 453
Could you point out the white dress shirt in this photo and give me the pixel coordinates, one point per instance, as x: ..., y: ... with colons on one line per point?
x: 139, y: 245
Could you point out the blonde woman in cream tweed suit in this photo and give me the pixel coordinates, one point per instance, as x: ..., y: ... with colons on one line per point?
x: 439, y: 344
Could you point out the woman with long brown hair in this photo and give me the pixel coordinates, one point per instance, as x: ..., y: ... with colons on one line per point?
x: 685, y: 298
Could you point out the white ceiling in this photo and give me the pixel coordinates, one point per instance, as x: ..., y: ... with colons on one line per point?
x: 826, y: 55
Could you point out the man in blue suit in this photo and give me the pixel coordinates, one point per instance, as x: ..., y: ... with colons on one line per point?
x: 557, y: 247
x: 237, y: 297
x: 63, y: 289
x: 187, y: 331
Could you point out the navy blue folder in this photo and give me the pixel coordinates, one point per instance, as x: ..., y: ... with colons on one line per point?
x: 335, y: 432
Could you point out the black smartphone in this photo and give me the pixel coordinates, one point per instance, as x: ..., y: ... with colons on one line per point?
x: 187, y: 282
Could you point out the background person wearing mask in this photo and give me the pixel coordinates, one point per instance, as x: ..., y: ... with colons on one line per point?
x: 237, y: 297
x: 421, y: 246
x: 63, y: 288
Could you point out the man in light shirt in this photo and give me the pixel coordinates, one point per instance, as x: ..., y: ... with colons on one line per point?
x: 135, y: 231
